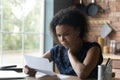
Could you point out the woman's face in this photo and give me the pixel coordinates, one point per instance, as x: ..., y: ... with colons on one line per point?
x: 67, y: 35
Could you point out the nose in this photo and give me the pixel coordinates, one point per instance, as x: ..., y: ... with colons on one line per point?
x: 62, y: 38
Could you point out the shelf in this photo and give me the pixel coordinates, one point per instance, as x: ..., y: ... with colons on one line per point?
x: 112, y: 56
x: 100, y: 21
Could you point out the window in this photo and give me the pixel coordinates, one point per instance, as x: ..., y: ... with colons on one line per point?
x: 21, y: 29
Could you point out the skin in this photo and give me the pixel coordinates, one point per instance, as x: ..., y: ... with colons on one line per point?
x: 69, y: 38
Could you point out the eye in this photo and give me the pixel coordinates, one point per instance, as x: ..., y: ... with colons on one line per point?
x: 58, y: 35
x: 66, y: 34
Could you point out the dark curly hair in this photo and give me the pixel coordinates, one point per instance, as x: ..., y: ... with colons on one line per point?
x: 73, y: 17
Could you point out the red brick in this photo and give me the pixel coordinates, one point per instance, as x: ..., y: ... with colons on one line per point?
x: 118, y: 8
x: 113, y: 16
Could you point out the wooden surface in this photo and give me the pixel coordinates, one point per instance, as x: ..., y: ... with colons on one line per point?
x: 112, y: 56
x: 55, y: 78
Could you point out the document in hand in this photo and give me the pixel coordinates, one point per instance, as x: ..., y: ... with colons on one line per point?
x: 39, y: 64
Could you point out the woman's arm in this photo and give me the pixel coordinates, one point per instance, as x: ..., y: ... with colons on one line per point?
x: 83, y: 69
x: 47, y: 55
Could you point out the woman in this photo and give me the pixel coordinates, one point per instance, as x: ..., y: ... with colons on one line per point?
x: 73, y: 53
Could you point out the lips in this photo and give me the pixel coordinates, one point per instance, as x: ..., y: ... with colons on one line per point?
x: 64, y: 43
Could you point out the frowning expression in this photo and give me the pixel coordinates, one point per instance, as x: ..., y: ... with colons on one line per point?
x: 67, y: 35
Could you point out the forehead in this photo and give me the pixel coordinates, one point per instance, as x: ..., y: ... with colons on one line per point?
x: 64, y: 28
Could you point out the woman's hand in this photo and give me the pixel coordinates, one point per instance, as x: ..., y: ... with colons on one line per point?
x: 29, y: 71
x: 70, y: 51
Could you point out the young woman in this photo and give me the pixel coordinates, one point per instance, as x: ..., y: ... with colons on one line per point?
x: 73, y: 53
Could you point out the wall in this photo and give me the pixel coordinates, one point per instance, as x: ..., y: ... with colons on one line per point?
x: 61, y: 4
x: 112, y: 18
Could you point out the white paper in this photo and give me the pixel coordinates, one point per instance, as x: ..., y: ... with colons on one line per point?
x: 62, y: 76
x: 11, y: 75
x: 40, y: 74
x: 39, y: 64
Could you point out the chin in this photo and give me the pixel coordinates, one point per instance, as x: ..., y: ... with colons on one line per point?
x: 66, y: 46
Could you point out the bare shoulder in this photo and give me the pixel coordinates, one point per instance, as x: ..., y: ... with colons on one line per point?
x: 92, y: 56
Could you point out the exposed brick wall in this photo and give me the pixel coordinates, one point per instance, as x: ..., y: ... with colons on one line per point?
x: 113, y: 16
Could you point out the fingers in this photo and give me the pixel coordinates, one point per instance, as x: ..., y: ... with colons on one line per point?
x: 26, y: 69
x: 32, y: 72
x: 29, y: 71
x: 26, y: 66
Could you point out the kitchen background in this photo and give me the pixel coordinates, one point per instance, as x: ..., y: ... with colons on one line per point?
x: 109, y: 12
x: 112, y: 17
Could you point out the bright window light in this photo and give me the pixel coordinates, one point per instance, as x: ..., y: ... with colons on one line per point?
x: 21, y: 30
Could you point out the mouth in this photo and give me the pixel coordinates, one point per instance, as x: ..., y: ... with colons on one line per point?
x: 64, y: 44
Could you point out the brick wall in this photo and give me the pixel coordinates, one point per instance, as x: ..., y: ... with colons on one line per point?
x: 112, y: 18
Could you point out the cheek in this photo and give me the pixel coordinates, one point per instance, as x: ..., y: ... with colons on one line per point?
x: 71, y: 39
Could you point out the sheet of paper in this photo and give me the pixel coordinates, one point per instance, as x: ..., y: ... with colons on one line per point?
x: 62, y: 76
x: 40, y: 64
x: 11, y: 75
x: 40, y: 74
